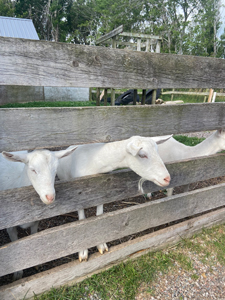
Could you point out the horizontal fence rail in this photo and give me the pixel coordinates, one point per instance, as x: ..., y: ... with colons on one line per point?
x: 41, y: 63
x: 49, y: 127
x: 67, y: 239
x: 74, y: 272
x: 23, y: 205
x: 191, y: 93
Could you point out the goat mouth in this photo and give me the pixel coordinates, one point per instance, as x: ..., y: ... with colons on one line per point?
x: 161, y: 184
x: 47, y: 202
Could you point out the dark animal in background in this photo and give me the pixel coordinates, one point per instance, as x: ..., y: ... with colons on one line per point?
x: 127, y: 97
x: 149, y: 95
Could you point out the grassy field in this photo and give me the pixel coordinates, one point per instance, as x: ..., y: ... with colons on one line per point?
x: 50, y: 104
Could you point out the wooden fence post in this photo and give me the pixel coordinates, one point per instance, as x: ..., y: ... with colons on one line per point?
x: 112, y: 97
x: 147, y: 45
x: 158, y: 46
x: 112, y: 89
x: 210, y: 95
x: 138, y: 44
x: 98, y: 97
x: 205, y: 96
x: 153, y: 97
x: 214, y: 97
x: 135, y: 97
x: 172, y: 95
x: 143, y: 98
x: 105, y: 97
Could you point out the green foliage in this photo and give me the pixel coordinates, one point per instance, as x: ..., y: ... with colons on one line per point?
x: 6, y: 8
x: 187, y: 27
x: 188, y: 141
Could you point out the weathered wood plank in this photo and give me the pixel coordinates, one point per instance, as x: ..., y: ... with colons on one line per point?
x: 74, y: 272
x: 141, y: 35
x: 67, y: 239
x: 49, y: 127
x: 109, y: 35
x: 132, y: 44
x: 192, y: 93
x: 41, y: 63
x: 186, y: 93
x: 23, y: 205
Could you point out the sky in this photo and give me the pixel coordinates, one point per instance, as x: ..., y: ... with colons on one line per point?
x: 222, y: 18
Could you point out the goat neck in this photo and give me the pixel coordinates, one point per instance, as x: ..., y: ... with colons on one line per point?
x: 113, y: 156
x: 213, y: 144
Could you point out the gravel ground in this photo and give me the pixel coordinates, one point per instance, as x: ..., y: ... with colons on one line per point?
x: 200, y: 134
x: 207, y: 283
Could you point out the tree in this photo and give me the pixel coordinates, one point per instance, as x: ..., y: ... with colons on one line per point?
x: 203, y: 32
x: 6, y: 8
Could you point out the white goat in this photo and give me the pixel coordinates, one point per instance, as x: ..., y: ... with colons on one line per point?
x: 172, y: 150
x: 137, y: 153
x: 37, y: 168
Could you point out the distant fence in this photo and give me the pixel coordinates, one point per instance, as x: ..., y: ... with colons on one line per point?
x: 210, y: 94
x: 38, y: 63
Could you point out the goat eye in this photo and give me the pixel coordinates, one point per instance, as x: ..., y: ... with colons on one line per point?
x: 33, y: 170
x: 143, y: 155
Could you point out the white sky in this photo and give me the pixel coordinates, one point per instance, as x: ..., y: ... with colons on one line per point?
x: 222, y: 17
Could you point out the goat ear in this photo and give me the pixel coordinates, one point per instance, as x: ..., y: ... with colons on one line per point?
x: 161, y: 139
x: 63, y: 153
x: 22, y: 157
x: 132, y: 148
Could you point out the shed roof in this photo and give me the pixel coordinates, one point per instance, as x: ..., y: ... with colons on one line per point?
x: 18, y: 28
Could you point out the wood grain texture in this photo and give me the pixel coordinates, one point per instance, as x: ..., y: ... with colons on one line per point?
x: 109, y: 35
x: 74, y: 272
x: 41, y: 63
x: 67, y: 239
x: 23, y: 205
x: 27, y: 128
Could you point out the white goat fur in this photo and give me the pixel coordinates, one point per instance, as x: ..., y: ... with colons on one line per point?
x: 37, y: 168
x: 173, y: 150
x: 137, y: 153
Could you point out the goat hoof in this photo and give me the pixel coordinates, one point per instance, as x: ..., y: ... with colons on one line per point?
x: 83, y: 255
x: 149, y: 195
x: 102, y: 248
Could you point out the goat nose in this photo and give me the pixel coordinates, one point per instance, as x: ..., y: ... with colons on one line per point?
x: 167, y: 179
x: 50, y: 197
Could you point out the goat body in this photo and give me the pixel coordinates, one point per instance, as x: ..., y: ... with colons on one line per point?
x: 137, y: 153
x: 173, y: 150
x: 37, y: 168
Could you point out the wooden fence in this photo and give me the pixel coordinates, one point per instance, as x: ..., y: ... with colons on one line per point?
x: 37, y: 63
x: 210, y: 94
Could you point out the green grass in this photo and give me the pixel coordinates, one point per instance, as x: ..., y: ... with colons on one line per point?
x: 123, y: 281
x: 188, y: 141
x: 50, y: 104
